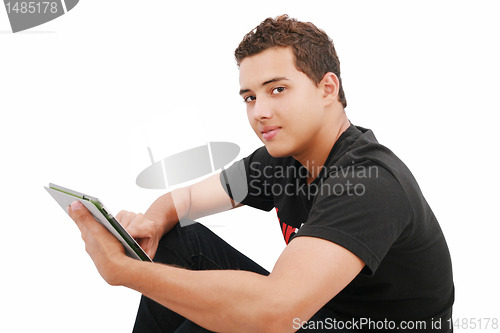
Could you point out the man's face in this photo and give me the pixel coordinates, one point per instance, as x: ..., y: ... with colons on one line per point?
x: 284, y: 106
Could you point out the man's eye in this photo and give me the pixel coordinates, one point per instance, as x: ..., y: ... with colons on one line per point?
x: 277, y: 90
x: 249, y: 99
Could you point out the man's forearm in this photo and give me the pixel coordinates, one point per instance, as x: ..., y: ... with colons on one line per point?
x: 168, y: 209
x: 221, y: 301
x: 195, y: 201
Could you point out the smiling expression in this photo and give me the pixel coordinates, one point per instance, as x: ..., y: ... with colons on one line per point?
x: 284, y: 106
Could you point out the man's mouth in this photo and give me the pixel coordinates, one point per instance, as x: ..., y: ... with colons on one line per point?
x: 269, y: 132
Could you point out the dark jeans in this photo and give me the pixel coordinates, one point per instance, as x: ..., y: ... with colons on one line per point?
x: 195, y: 247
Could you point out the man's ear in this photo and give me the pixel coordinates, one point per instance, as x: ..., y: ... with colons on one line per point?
x: 330, y: 85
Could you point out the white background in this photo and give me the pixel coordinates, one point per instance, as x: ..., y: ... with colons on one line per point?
x: 83, y: 96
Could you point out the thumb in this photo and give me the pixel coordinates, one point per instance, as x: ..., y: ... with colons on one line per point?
x: 79, y: 213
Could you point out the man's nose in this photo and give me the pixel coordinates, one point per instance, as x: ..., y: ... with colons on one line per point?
x: 262, y: 110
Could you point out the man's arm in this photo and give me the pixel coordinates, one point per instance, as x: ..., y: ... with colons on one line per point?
x: 307, y: 275
x: 200, y: 199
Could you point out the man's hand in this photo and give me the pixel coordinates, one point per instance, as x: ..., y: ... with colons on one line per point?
x: 146, y: 232
x: 105, y: 250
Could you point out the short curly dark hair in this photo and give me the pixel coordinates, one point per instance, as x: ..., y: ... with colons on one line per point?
x: 314, y: 52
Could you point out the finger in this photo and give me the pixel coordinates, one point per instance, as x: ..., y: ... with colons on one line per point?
x: 79, y: 214
x: 150, y: 247
x: 94, y: 234
x: 84, y: 219
x: 141, y: 227
x: 121, y: 214
x: 125, y: 218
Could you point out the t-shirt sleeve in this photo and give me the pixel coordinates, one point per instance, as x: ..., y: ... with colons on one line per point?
x: 364, y: 214
x: 245, y: 181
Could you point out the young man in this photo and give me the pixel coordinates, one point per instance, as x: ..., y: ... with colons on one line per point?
x: 364, y: 250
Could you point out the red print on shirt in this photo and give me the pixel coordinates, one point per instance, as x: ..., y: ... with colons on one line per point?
x: 287, y: 230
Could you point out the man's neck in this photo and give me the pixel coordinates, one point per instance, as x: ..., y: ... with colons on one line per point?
x: 315, y: 158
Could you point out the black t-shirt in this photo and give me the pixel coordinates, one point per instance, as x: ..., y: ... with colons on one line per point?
x: 367, y: 201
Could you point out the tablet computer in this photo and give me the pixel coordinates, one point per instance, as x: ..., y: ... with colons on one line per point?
x: 65, y: 197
